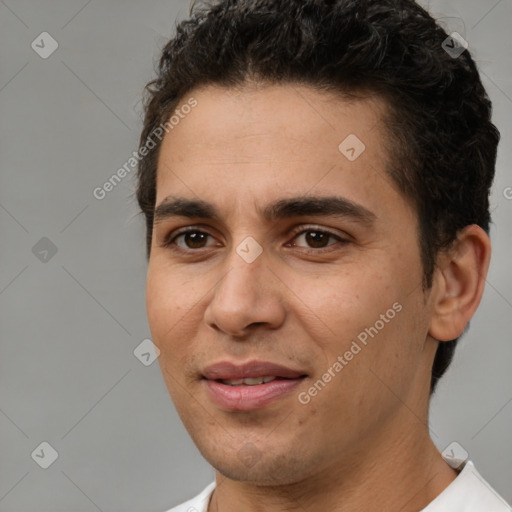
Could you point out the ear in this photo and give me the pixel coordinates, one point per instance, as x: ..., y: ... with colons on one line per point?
x: 459, y: 281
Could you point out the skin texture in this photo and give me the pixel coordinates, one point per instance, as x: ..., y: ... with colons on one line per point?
x: 362, y: 443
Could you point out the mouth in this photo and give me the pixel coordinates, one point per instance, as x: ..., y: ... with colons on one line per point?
x: 249, y: 381
x: 249, y: 386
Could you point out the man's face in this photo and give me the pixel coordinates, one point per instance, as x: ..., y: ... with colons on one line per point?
x: 306, y: 290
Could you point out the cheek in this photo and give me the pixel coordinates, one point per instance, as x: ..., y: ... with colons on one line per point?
x: 162, y: 305
x: 173, y: 307
x: 343, y: 305
x: 155, y: 301
x: 368, y: 320
x: 165, y: 311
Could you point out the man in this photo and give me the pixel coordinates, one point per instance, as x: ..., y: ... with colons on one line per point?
x: 315, y: 184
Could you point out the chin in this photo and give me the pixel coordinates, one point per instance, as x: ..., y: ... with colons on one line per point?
x: 265, y: 467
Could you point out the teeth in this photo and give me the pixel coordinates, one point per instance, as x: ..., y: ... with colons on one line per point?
x: 253, y: 381
x: 233, y: 382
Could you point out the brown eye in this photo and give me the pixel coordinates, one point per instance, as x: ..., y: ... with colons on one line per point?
x: 194, y: 239
x: 189, y: 239
x: 316, y: 239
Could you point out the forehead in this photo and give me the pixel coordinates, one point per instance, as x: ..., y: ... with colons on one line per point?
x: 226, y: 116
x: 261, y: 140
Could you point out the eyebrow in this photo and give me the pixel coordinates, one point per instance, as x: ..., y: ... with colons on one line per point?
x: 300, y: 206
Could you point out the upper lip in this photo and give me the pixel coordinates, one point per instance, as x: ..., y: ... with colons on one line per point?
x: 227, y: 370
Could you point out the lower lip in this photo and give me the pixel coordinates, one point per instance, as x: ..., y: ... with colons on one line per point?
x: 249, y: 398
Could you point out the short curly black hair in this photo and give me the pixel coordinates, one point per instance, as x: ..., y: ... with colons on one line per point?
x: 444, y: 144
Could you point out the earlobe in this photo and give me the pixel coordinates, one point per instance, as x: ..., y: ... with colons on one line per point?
x: 459, y: 282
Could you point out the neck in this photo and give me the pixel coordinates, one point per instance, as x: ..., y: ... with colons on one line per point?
x: 403, y: 473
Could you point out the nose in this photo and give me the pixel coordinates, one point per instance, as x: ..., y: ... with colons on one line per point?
x: 248, y: 295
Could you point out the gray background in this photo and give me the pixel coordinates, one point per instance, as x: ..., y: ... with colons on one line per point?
x: 69, y: 325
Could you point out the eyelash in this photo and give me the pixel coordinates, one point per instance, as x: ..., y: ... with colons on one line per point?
x: 169, y: 241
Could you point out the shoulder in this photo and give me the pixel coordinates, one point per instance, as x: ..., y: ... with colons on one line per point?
x: 197, y: 504
x: 469, y: 492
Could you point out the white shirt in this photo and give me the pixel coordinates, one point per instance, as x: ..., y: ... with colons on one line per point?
x: 469, y: 492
